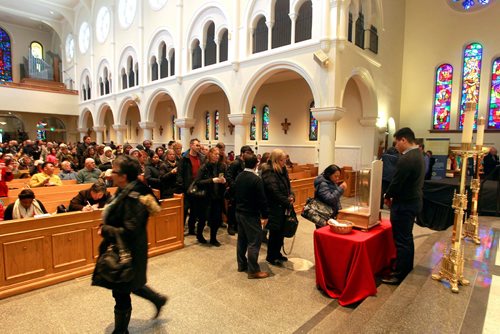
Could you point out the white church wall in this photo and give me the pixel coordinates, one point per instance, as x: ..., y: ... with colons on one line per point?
x: 441, y: 40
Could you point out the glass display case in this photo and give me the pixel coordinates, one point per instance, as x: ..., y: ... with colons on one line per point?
x: 365, y: 213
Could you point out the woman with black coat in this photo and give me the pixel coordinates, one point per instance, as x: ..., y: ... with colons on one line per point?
x: 280, y: 200
x: 168, y: 175
x: 127, y: 215
x: 211, y: 178
x: 152, y: 172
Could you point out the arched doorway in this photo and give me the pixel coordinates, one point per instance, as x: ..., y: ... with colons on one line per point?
x: 163, y: 112
x: 55, y: 130
x: 11, y: 128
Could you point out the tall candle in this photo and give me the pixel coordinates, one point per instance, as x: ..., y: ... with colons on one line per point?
x: 467, y: 127
x: 480, y: 131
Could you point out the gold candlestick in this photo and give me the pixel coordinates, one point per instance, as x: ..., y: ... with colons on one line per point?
x: 452, y: 263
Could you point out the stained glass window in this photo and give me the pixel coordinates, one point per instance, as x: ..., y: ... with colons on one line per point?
x: 265, y: 123
x: 442, y: 99
x: 216, y: 125
x: 473, y: 55
x: 313, y: 124
x: 5, y: 57
x: 494, y: 112
x: 253, y: 124
x: 207, y: 125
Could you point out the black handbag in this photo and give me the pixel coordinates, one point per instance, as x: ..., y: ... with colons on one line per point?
x: 317, y: 211
x: 291, y: 223
x: 196, y: 191
x: 115, y: 264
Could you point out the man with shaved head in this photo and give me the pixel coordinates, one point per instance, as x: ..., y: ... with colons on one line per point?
x: 88, y: 174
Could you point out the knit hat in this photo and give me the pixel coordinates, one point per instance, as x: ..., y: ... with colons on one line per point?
x: 107, y: 148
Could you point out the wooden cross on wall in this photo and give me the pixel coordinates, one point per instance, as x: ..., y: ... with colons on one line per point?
x: 285, y: 125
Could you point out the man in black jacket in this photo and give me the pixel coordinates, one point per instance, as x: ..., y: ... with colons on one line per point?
x: 251, y: 213
x: 235, y: 168
x: 188, y: 167
x: 405, y: 197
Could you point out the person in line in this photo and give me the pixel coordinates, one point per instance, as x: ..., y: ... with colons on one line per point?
x: 152, y: 171
x: 211, y: 177
x: 45, y: 178
x: 280, y: 199
x: 188, y: 169
x: 90, y: 199
x: 178, y: 151
x: 127, y: 215
x: 67, y: 173
x: 490, y: 161
x: 168, y: 175
x: 82, y: 149
x: 252, y: 215
x: 89, y: 174
x: 233, y: 170
x: 389, y: 160
x: 328, y: 188
x: 25, y: 206
x: 404, y: 197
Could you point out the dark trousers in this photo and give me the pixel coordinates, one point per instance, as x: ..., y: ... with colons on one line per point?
x: 402, y: 218
x: 123, y: 301
x: 195, y: 211
x: 231, y: 215
x: 211, y: 213
x: 249, y: 241
x: 274, y: 245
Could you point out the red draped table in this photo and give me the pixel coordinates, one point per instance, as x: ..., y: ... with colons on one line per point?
x: 346, y: 264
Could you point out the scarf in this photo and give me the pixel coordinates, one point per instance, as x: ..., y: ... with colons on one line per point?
x: 19, y: 211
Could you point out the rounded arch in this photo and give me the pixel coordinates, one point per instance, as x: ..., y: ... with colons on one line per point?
x: 266, y: 72
x: 296, y: 4
x: 123, y: 108
x: 84, y: 116
x: 197, y: 89
x: 366, y: 85
x: 103, y: 63
x: 211, y: 11
x: 127, y: 52
x: 153, y: 101
x: 85, y: 73
x: 101, y: 113
x: 159, y: 36
x: 256, y: 8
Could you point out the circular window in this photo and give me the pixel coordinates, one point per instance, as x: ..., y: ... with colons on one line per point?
x: 102, y: 24
x: 157, y: 4
x: 70, y: 48
x: 126, y: 12
x: 84, y: 37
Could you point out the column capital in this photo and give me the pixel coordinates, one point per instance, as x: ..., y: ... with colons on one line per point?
x: 368, y: 122
x: 147, y: 125
x: 119, y: 127
x: 184, y: 123
x: 82, y: 130
x: 99, y: 128
x: 240, y: 119
x: 328, y: 114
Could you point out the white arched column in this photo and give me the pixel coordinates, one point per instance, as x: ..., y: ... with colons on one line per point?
x: 185, y: 125
x: 370, y: 134
x: 99, y: 131
x: 327, y: 118
x: 83, y: 132
x: 240, y: 122
x: 120, y: 131
x: 147, y: 128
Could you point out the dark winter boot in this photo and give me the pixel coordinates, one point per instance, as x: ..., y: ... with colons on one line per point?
x: 213, y: 237
x: 158, y: 300
x: 122, y: 318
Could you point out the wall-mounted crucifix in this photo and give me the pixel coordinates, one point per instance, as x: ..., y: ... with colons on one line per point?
x: 231, y: 128
x: 285, y: 125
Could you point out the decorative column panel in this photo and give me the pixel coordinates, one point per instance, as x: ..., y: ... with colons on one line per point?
x: 241, y: 123
x: 185, y: 125
x: 293, y: 18
x: 147, y: 128
x: 120, y: 129
x: 327, y: 118
x: 99, y: 130
x: 270, y: 25
x: 371, y: 133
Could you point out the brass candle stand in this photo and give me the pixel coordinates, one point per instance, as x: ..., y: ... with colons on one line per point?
x: 452, y: 263
x: 471, y: 225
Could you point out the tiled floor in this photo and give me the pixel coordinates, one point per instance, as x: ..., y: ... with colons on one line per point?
x: 208, y: 295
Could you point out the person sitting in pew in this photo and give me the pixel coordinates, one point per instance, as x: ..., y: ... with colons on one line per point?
x: 89, y: 173
x: 46, y: 177
x: 67, y: 173
x: 90, y: 199
x: 25, y: 206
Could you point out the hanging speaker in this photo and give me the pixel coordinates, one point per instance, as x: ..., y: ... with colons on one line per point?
x: 321, y: 58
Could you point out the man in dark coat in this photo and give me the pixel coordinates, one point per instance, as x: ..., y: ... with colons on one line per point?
x: 251, y: 213
x: 90, y: 199
x: 127, y: 216
x: 235, y: 168
x: 405, y: 198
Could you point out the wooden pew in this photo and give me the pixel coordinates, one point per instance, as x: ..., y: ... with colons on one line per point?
x: 302, y: 188
x: 299, y: 175
x: 39, y: 252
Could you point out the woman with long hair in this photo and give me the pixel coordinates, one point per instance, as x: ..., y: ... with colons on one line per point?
x: 211, y: 178
x: 280, y: 200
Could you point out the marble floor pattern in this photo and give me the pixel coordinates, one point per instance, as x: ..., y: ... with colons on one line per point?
x: 208, y: 295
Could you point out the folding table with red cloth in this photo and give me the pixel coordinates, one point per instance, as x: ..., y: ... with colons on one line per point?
x: 346, y: 264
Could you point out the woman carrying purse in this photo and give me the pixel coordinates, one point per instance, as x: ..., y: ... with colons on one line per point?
x: 280, y: 199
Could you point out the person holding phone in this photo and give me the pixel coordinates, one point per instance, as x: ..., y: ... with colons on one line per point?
x: 329, y: 188
x: 211, y: 178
